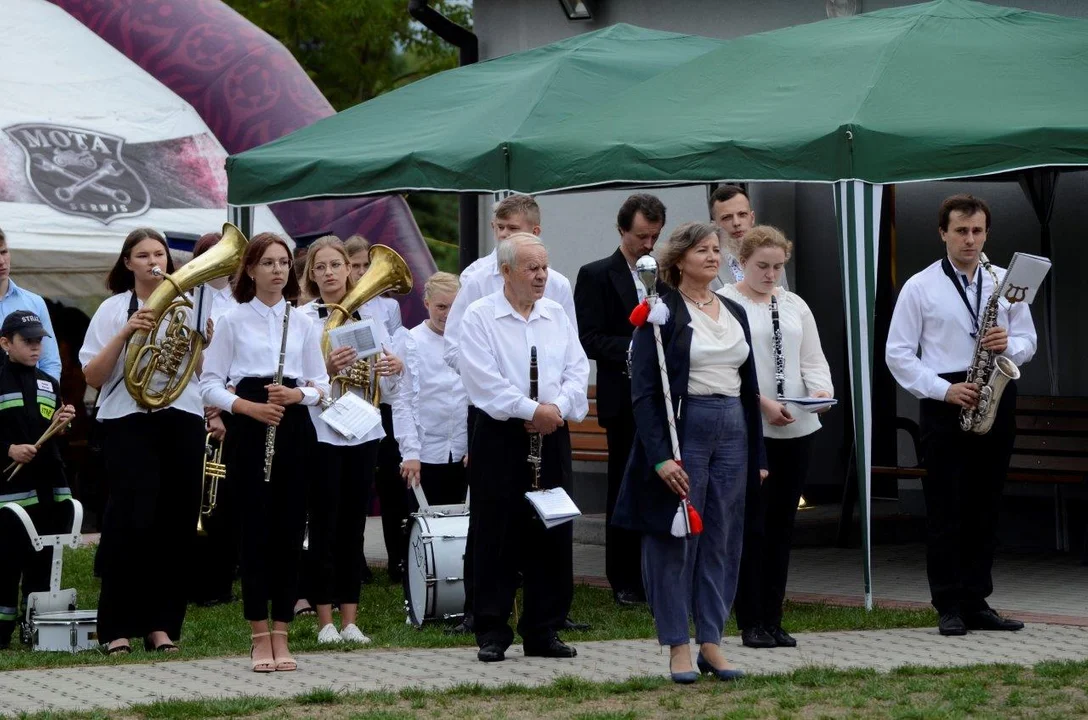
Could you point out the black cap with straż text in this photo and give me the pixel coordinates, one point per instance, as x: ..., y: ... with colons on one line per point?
x: 25, y: 323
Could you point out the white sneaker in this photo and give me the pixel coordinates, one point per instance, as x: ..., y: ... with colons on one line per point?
x: 328, y: 635
x: 354, y: 635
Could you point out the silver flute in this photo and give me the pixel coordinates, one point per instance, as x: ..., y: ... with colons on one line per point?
x: 270, y: 432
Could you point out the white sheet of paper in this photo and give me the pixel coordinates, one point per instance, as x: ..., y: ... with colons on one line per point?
x: 553, y: 505
x: 810, y: 404
x: 358, y: 335
x: 1024, y: 276
x: 351, y: 416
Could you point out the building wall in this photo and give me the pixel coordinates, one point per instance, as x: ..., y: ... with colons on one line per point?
x: 579, y: 227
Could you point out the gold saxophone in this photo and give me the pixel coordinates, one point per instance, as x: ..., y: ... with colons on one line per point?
x: 214, y: 471
x: 388, y: 273
x: 146, y: 357
x: 990, y: 371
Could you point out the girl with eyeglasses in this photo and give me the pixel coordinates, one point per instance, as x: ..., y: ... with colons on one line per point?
x: 239, y: 377
x: 340, y: 493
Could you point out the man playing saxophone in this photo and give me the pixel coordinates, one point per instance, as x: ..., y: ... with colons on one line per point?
x: 933, y: 345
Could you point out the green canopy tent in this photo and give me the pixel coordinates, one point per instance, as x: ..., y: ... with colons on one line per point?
x: 947, y: 89
x: 450, y: 131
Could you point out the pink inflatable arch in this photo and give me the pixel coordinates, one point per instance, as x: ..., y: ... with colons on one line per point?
x: 249, y: 90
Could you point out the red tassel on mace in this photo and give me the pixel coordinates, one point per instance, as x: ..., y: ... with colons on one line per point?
x: 694, y: 521
x: 640, y: 313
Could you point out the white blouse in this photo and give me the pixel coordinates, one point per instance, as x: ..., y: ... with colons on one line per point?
x: 430, y: 415
x: 247, y: 344
x: 806, y: 368
x: 325, y: 433
x: 718, y: 349
x: 114, y: 400
x: 385, y: 309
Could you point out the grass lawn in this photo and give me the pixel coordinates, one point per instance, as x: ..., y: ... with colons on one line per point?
x: 1049, y: 690
x: 222, y: 631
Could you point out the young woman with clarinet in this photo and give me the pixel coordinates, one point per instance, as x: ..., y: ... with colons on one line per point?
x: 152, y: 458
x: 264, y: 366
x: 340, y: 494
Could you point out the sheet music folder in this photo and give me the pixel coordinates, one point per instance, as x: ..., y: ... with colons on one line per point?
x: 1024, y: 276
x: 553, y: 506
x: 351, y: 416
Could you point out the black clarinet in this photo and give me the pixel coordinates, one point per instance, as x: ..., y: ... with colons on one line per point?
x: 779, y: 358
x: 270, y: 432
x: 536, y: 440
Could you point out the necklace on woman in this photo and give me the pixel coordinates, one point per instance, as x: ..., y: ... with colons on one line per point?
x: 695, y: 302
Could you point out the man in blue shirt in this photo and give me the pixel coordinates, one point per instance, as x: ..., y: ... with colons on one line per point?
x: 13, y: 297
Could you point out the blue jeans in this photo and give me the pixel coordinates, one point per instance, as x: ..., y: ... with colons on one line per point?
x: 697, y: 575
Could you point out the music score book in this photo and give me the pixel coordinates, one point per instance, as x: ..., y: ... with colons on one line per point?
x: 810, y: 404
x: 553, y: 506
x: 351, y: 416
x: 359, y: 336
x: 1024, y: 276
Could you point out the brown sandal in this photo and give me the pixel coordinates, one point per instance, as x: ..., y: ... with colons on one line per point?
x: 262, y: 665
x: 284, y: 664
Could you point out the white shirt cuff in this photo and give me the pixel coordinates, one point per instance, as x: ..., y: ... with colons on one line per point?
x: 939, y: 389
x: 526, y: 409
x: 310, y: 396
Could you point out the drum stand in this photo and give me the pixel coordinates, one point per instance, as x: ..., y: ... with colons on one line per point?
x: 52, y: 621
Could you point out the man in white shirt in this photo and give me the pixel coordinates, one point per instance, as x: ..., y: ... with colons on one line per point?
x: 514, y: 214
x: 731, y: 210
x: 498, y: 332
x: 931, y: 344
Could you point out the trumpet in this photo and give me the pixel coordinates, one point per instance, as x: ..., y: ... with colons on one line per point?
x: 213, y: 471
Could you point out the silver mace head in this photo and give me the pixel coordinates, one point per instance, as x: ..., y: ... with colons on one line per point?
x: 646, y: 267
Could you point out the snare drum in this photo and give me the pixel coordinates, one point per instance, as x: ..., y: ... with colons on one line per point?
x: 434, y: 586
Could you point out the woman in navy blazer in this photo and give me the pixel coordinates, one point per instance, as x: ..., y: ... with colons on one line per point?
x: 715, y: 399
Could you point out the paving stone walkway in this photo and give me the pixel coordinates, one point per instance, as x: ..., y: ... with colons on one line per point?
x: 122, y: 685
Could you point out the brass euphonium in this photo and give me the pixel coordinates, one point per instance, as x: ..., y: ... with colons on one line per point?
x: 147, y: 358
x: 388, y: 273
x: 213, y: 471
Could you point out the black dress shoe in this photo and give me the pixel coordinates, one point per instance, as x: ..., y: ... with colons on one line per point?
x: 781, y: 637
x: 952, y: 624
x: 570, y: 624
x: 628, y: 598
x: 757, y: 637
x: 989, y: 620
x: 554, y: 648
x: 491, y: 652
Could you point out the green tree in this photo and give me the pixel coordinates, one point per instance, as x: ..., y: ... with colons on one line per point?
x: 354, y: 50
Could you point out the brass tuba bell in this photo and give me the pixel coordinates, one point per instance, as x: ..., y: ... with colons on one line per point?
x: 388, y: 273
x: 144, y: 359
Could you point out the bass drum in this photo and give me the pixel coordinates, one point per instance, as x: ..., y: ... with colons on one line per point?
x: 434, y: 586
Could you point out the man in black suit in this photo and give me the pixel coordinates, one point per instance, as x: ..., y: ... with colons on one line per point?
x: 604, y: 296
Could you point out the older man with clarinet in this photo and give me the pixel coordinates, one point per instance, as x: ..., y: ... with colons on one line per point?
x: 498, y: 334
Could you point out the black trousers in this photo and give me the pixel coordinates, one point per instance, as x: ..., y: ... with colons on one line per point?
x: 965, y: 476
x: 390, y: 488
x: 508, y: 538
x: 622, y: 547
x: 19, y: 560
x: 339, y: 497
x: 274, y: 512
x: 770, y: 512
x: 154, y: 462
x: 469, y: 569
x: 214, y: 563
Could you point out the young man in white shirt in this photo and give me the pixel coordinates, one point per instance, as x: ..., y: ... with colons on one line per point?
x: 498, y: 332
x: 931, y: 345
x: 731, y: 210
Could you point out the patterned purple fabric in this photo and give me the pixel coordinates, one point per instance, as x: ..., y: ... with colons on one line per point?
x: 249, y: 90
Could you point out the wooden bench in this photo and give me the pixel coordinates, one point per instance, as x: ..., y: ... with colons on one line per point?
x: 587, y: 438
x: 1051, y: 448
